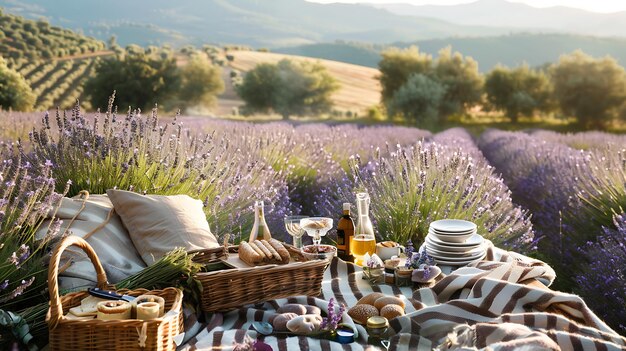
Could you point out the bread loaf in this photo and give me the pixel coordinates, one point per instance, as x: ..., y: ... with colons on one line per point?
x: 392, y: 311
x: 249, y: 255
x: 370, y: 299
x: 388, y: 300
x: 360, y: 313
x: 263, y: 252
x: 282, y: 251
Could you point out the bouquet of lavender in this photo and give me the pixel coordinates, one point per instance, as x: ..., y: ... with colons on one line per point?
x: 331, y: 322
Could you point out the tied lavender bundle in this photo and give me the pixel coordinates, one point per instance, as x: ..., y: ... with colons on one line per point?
x: 331, y: 322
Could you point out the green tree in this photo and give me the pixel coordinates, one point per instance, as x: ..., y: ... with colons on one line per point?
x: 592, y: 90
x: 15, y: 93
x: 418, y: 100
x: 462, y: 80
x: 140, y: 80
x: 288, y: 88
x: 200, y: 82
x: 519, y: 92
x: 397, y: 65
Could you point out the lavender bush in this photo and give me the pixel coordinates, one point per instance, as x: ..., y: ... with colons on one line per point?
x: 581, y: 141
x: 417, y: 185
x: 139, y: 153
x: 603, y: 281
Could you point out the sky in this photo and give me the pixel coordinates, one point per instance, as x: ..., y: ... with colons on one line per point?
x: 604, y: 6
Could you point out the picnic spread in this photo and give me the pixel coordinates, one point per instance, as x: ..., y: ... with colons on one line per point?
x: 272, y: 295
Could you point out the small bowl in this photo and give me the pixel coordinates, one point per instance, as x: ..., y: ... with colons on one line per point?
x: 319, y: 252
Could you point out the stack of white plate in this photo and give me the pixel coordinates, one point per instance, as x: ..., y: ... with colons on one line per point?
x: 454, y: 242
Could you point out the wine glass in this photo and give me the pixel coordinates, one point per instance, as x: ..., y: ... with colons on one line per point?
x: 316, y: 227
x: 292, y: 224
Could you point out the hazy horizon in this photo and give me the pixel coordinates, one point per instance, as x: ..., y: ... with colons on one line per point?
x: 600, y: 6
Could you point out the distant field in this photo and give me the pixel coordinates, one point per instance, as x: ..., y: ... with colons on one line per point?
x: 359, y: 87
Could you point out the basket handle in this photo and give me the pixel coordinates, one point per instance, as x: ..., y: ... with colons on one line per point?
x: 56, y: 309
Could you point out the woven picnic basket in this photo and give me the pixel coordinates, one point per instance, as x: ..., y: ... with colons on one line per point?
x: 230, y: 289
x: 130, y: 334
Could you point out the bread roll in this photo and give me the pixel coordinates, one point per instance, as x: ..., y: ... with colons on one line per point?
x: 305, y: 324
x: 392, y: 311
x: 360, y: 313
x: 313, y: 310
x: 248, y: 254
x: 282, y: 251
x: 280, y: 321
x: 388, y: 300
x: 292, y: 308
x: 370, y: 299
x: 274, y: 256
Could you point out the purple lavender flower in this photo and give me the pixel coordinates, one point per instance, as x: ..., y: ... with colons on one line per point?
x: 4, y: 285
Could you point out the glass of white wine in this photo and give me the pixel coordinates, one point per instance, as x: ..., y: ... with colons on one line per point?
x: 292, y: 225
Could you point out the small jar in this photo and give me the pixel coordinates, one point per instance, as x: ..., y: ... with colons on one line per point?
x: 403, y: 276
x: 377, y: 330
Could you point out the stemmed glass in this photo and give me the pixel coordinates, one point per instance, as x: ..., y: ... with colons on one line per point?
x: 316, y: 227
x: 292, y: 224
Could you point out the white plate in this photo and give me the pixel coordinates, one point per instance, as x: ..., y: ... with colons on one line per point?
x: 451, y: 233
x: 446, y: 247
x: 446, y: 257
x: 455, y: 238
x: 453, y: 225
x: 467, y: 254
x: 455, y: 263
x: 473, y: 241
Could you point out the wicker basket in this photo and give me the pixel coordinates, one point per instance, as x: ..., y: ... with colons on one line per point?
x: 230, y: 289
x: 94, y: 334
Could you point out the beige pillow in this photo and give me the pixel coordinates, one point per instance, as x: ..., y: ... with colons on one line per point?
x: 157, y: 224
x: 93, y: 221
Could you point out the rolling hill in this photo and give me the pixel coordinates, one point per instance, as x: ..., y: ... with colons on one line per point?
x: 520, y: 16
x: 359, y: 88
x: 55, y: 61
x: 259, y: 23
x: 509, y: 50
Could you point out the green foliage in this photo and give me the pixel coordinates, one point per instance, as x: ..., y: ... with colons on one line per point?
x: 397, y: 65
x: 458, y: 76
x: 200, y: 82
x: 520, y: 91
x: 592, y: 90
x: 461, y: 79
x: 418, y: 100
x: 15, y: 93
x: 140, y: 79
x: 288, y: 88
x: 32, y: 38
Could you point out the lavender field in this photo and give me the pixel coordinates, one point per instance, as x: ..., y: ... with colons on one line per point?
x: 557, y: 197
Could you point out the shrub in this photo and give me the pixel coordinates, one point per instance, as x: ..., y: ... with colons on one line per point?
x: 418, y: 100
x: 15, y: 93
x: 138, y: 153
x: 414, y: 186
x: 603, y: 281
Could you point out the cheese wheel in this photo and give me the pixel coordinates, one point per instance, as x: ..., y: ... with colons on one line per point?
x: 148, y: 310
x: 112, y: 310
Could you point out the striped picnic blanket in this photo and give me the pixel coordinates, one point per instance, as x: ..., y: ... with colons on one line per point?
x: 483, y: 306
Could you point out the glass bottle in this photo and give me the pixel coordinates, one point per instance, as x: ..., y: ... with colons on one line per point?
x: 364, y: 240
x: 260, y: 230
x: 345, y: 233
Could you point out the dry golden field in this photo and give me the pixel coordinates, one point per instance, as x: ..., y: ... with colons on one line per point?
x: 359, y: 87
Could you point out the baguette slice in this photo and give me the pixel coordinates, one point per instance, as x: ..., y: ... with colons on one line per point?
x: 266, y: 252
x: 282, y: 251
x: 249, y: 255
x: 275, y: 256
